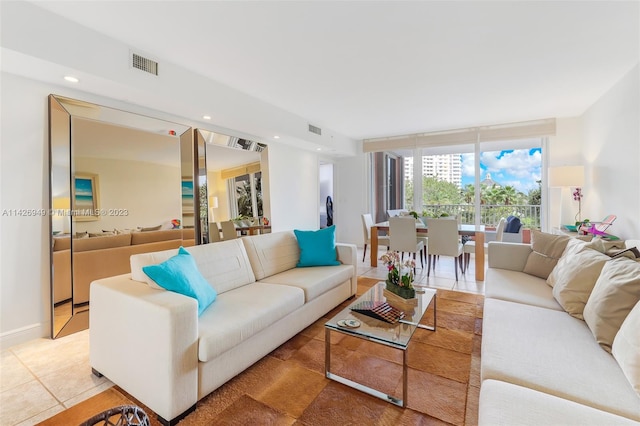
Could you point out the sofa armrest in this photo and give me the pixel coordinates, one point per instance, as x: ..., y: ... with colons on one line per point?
x: 510, y: 256
x: 348, y: 255
x: 145, y: 341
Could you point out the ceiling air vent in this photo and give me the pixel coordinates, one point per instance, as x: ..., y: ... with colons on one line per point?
x: 144, y: 64
x: 315, y: 129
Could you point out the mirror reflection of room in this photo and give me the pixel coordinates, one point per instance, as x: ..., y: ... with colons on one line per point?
x: 235, y: 186
x: 117, y: 183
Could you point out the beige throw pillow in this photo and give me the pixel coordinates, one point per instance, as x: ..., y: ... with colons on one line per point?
x: 615, y: 293
x: 626, y: 348
x: 574, y: 277
x: 547, y: 249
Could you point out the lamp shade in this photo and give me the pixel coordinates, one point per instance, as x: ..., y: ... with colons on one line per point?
x: 566, y: 176
x: 213, y: 202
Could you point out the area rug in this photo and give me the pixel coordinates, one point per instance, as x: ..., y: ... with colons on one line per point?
x: 288, y: 386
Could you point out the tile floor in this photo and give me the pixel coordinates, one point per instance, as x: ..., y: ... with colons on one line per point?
x: 43, y: 377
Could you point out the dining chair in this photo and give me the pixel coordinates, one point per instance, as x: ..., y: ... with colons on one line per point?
x: 228, y: 230
x: 444, y: 241
x: 403, y: 238
x: 470, y: 246
x: 214, y: 232
x: 367, y: 223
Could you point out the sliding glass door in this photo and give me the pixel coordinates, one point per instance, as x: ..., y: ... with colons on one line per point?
x: 479, y: 182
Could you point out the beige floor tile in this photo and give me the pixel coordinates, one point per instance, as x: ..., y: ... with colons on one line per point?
x: 12, y: 372
x: 42, y: 416
x: 45, y: 356
x: 24, y: 401
x: 88, y: 394
x: 67, y: 383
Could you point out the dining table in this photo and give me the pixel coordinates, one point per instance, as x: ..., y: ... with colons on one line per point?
x: 476, y: 231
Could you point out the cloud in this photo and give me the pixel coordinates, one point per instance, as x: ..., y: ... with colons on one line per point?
x: 517, y: 168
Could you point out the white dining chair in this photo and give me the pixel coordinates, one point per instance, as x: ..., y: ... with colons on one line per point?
x: 444, y: 241
x: 367, y: 223
x: 403, y: 238
x: 229, y: 231
x: 470, y: 246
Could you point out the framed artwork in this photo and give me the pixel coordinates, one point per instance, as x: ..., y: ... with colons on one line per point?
x: 86, y: 205
x: 187, y: 196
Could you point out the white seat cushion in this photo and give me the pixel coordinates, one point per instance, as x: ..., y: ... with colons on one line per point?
x: 519, y: 287
x: 238, y: 314
x: 314, y: 281
x: 505, y: 404
x: 555, y: 353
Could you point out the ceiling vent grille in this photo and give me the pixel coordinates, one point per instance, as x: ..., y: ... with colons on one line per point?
x: 144, y: 64
x: 315, y: 129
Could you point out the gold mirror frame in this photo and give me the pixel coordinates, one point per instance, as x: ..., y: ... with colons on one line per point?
x: 66, y: 318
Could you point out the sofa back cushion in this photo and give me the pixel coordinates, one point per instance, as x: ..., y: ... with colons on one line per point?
x: 574, y: 277
x: 144, y: 237
x: 616, y: 292
x: 98, y: 243
x: 271, y: 254
x: 224, y: 265
x: 547, y: 249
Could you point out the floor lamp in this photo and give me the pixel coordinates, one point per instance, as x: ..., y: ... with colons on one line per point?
x: 568, y: 177
x: 213, y: 204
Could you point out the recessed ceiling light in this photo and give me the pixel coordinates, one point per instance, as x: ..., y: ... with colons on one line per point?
x: 206, y: 117
x: 276, y: 137
x: 318, y: 149
x: 71, y: 79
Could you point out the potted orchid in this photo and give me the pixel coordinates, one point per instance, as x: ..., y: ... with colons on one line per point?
x: 400, y: 276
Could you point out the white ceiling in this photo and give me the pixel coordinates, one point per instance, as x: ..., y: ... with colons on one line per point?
x: 373, y: 69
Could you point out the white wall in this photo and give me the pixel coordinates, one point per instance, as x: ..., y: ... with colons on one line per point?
x: 24, y: 242
x: 293, y: 176
x: 564, y: 150
x: 352, y: 198
x: 611, y: 152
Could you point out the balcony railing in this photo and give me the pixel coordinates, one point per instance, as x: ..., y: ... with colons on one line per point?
x: 489, y: 214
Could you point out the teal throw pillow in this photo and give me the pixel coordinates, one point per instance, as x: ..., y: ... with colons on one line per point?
x: 180, y: 274
x: 317, y: 248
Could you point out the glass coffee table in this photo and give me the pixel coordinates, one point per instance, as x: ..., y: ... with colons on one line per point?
x: 396, y: 335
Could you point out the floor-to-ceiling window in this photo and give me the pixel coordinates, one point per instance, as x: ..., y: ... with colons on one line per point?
x: 481, y: 181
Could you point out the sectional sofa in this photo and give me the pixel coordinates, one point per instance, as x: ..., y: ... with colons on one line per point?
x: 153, y: 344
x: 561, y: 335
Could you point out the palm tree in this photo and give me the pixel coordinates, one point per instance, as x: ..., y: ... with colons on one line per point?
x: 509, y: 194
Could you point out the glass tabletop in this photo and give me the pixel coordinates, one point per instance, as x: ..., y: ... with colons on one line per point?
x: 396, y: 335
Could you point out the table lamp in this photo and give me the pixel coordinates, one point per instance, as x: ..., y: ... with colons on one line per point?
x: 568, y: 177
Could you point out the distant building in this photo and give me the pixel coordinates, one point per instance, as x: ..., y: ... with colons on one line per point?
x: 489, y: 182
x: 446, y: 167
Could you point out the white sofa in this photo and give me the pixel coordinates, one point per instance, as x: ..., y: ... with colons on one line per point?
x: 153, y: 345
x: 540, y: 365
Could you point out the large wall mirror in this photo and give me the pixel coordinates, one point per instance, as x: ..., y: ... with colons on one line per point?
x: 124, y: 183
x: 121, y: 184
x: 233, y: 178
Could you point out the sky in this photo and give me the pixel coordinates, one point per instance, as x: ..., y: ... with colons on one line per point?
x: 519, y: 168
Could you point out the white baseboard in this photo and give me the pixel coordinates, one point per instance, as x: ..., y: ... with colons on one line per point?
x: 23, y: 334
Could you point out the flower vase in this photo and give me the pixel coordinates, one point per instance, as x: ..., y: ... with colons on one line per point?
x: 404, y: 292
